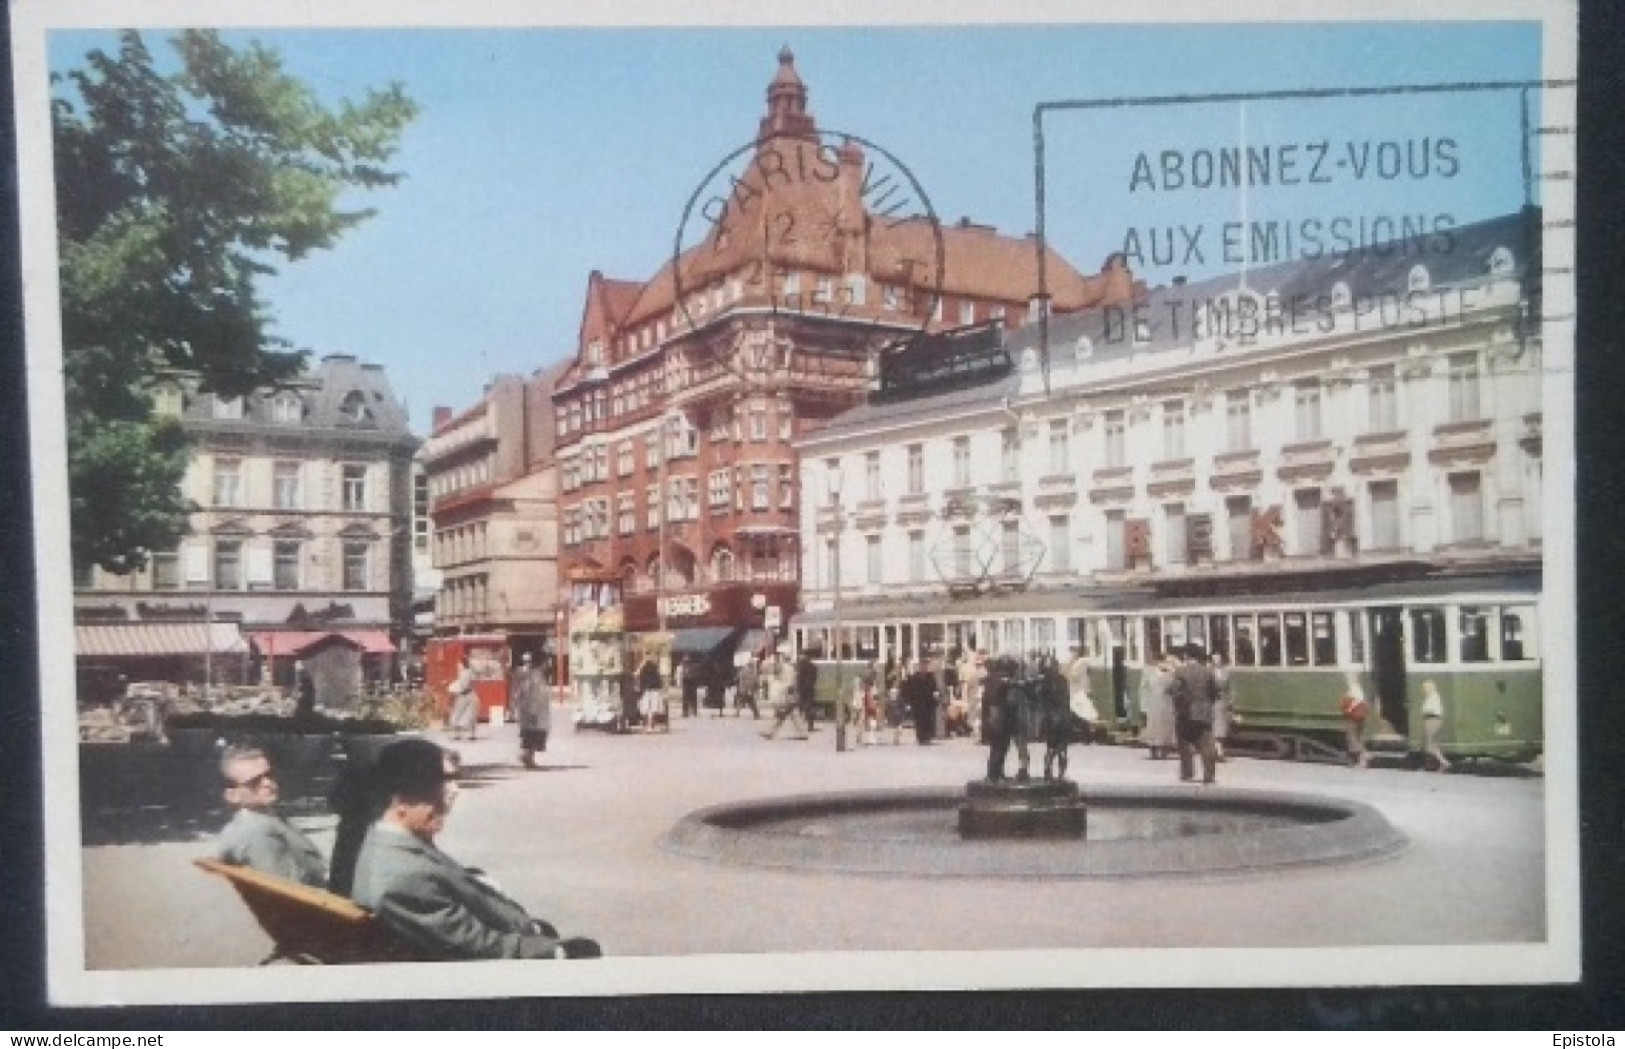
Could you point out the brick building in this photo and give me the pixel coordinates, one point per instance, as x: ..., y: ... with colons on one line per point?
x: 676, y: 419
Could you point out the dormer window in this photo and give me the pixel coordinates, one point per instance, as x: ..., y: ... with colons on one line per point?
x: 595, y: 352
x: 1501, y: 262
x: 1417, y: 279
x: 354, y: 409
x: 167, y: 400
x: 228, y: 407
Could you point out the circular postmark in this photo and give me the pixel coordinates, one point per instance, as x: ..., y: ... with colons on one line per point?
x: 829, y: 226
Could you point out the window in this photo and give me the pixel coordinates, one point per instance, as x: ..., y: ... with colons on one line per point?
x: 354, y: 408
x: 1173, y: 515
x: 1116, y: 431
x: 1384, y: 515
x: 1116, y: 541
x: 1246, y: 641
x: 1466, y: 508
x: 1060, y: 543
x: 858, y: 288
x: 967, y: 313
x: 1269, y: 640
x: 1475, y: 634
x: 1238, y: 420
x: 871, y: 476
x: 1307, y: 501
x: 1060, y: 446
x: 717, y: 489
x: 287, y: 408
x: 651, y: 503
x: 1239, y: 513
x: 787, y: 422
x: 1464, y: 406
x: 916, y: 469
x: 624, y: 459
x: 964, y: 556
x: 1518, y: 641
x: 166, y: 570
x: 228, y: 407
x: 787, y: 488
x: 916, y: 557
x: 355, y: 487
x: 871, y: 554
x: 1382, y: 400
x: 285, y: 486
x: 1010, y: 547
x: 228, y: 482
x: 889, y: 297
x: 167, y: 400
x: 1009, y: 455
x: 722, y: 565
x: 626, y: 514
x: 355, y: 565
x: 285, y: 567
x: 1173, y: 430
x: 758, y: 488
x: 1427, y: 635
x: 1297, y: 639
x: 1306, y: 411
x: 962, y: 462
x: 228, y: 565
x: 758, y: 425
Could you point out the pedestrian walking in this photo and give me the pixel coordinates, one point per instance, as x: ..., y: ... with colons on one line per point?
x: 1354, y: 708
x: 745, y: 695
x: 1432, y: 725
x: 688, y: 682
x: 781, y: 696
x: 465, y: 704
x: 919, y: 692
x: 531, y: 703
x: 651, y: 693
x: 1194, y: 694
x: 806, y: 686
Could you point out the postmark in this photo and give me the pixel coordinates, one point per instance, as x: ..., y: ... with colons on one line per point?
x: 826, y: 227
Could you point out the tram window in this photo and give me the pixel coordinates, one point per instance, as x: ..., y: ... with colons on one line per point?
x: 1323, y: 639
x: 1269, y: 640
x: 990, y: 636
x: 1077, y: 636
x: 1218, y: 632
x: 1246, y: 643
x: 1297, y: 640
x: 1153, y: 636
x: 1014, y: 642
x: 1356, y: 621
x: 1518, y: 640
x: 1427, y: 635
x: 1475, y: 634
x: 1196, y: 632
x: 1043, y: 635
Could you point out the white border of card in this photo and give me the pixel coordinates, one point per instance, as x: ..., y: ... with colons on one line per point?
x: 1557, y: 959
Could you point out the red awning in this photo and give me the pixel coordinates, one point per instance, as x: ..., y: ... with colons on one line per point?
x: 298, y: 642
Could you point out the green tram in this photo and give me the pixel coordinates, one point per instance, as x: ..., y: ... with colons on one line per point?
x: 1476, y: 637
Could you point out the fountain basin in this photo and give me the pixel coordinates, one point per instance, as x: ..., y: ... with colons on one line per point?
x: 1132, y: 832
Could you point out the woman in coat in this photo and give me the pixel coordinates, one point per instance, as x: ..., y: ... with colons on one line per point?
x: 1158, y: 706
x: 530, y: 700
x: 465, y: 705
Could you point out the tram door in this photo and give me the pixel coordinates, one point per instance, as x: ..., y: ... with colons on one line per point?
x: 1388, y: 665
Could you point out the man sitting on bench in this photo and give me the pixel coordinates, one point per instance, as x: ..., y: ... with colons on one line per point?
x: 257, y: 836
x: 423, y: 895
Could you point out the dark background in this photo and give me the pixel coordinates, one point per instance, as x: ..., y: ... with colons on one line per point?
x: 1594, y: 1004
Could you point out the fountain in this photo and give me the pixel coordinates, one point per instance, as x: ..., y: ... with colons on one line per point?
x: 1037, y: 828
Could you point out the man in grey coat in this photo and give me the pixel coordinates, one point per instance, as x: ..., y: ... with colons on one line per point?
x: 424, y: 896
x: 1195, y: 693
x: 257, y: 835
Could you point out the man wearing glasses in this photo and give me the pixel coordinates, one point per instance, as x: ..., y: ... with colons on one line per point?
x: 427, y: 898
x: 257, y: 836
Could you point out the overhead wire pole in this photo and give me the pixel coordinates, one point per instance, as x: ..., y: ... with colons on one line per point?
x: 1131, y: 102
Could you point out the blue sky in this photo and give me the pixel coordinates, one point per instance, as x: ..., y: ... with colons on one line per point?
x: 543, y: 154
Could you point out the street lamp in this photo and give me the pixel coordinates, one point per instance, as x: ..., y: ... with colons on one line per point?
x: 834, y: 480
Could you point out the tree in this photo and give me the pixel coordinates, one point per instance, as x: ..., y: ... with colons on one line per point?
x: 176, y: 194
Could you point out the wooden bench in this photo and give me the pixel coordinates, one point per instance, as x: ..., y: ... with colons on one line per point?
x: 311, y: 926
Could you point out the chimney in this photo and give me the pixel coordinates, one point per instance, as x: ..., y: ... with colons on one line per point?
x: 442, y: 416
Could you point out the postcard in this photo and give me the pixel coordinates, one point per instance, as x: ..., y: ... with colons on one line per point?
x: 740, y: 501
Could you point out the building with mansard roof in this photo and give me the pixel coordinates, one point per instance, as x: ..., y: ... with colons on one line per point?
x: 1314, y: 428
x: 678, y: 417
x: 299, y: 547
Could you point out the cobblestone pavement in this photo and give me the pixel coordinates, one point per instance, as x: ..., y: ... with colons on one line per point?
x: 578, y: 842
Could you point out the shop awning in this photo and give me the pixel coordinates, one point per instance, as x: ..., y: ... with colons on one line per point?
x: 702, y: 640
x: 297, y: 642
x: 107, y: 640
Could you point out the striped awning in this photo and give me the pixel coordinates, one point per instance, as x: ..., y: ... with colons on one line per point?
x: 158, y: 639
